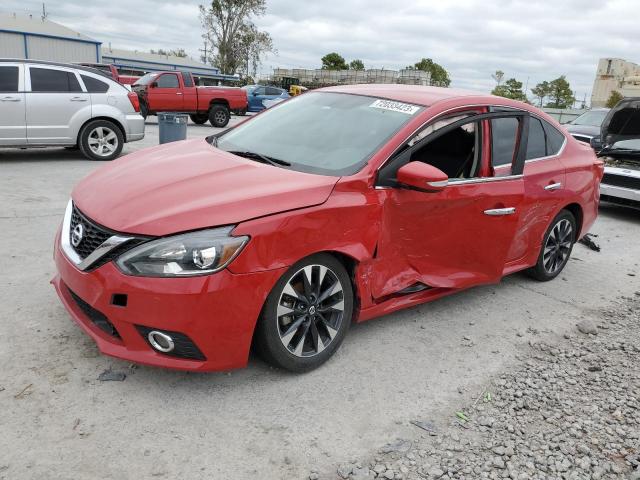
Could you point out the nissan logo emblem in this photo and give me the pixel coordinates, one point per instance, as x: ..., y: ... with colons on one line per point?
x: 76, y: 235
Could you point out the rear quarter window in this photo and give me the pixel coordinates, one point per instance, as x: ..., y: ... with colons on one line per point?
x: 555, y: 139
x: 94, y: 85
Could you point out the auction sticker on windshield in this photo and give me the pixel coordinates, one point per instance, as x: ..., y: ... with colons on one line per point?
x: 395, y: 106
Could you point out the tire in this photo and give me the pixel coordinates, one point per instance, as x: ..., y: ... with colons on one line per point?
x: 101, y: 140
x: 241, y: 113
x: 219, y: 115
x: 556, y: 248
x: 298, y: 330
x: 199, y: 118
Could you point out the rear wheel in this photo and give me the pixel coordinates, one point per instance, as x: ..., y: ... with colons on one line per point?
x: 219, y: 115
x: 306, y: 315
x: 101, y: 140
x: 199, y: 118
x: 556, y: 247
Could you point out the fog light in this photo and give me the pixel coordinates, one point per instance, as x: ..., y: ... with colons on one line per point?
x: 160, y: 341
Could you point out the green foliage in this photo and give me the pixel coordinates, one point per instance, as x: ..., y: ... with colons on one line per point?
x: 439, y: 75
x: 178, y: 52
x: 356, y: 64
x: 541, y: 91
x: 498, y: 75
x: 613, y: 99
x: 237, y: 43
x: 511, y: 89
x: 560, y: 93
x: 334, y: 61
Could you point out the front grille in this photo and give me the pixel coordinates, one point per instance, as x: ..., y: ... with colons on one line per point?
x: 93, y: 235
x: 98, y: 318
x: 183, y: 345
x: 621, y: 181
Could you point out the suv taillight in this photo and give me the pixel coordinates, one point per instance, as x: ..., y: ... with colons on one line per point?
x: 135, y: 101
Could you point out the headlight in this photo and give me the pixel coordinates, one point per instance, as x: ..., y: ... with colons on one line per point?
x: 190, y: 254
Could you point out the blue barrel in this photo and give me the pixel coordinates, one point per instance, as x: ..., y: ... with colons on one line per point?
x: 173, y: 126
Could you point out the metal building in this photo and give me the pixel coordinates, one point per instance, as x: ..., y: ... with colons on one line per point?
x: 615, y: 74
x: 28, y: 36
x: 136, y: 63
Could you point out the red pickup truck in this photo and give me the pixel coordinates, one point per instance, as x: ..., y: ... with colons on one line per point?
x: 176, y: 92
x: 112, y: 71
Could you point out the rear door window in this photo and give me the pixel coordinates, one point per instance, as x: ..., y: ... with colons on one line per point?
x: 273, y: 91
x: 555, y: 139
x: 9, y: 79
x: 93, y: 85
x: 504, y: 135
x: 168, y: 80
x: 53, y: 81
x: 537, y: 142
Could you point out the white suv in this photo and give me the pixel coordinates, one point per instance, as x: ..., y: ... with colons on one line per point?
x: 48, y: 104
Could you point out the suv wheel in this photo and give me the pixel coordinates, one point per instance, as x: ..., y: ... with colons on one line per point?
x: 101, y: 140
x: 556, y: 247
x: 219, y: 116
x: 306, y: 315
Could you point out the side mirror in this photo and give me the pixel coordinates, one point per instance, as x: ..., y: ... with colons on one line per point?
x: 596, y: 143
x: 255, y: 93
x: 154, y: 85
x: 422, y: 176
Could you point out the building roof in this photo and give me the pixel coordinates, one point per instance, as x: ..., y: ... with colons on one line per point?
x: 154, y: 58
x: 30, y: 24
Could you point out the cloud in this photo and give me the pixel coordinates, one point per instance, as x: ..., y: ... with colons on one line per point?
x: 531, y: 41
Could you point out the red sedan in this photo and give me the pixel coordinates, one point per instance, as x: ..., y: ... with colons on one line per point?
x: 335, y: 207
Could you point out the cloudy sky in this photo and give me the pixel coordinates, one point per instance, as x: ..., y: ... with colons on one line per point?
x: 530, y: 40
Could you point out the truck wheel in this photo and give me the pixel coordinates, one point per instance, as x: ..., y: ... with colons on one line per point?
x: 101, y: 140
x: 199, y: 118
x: 241, y: 112
x: 219, y: 116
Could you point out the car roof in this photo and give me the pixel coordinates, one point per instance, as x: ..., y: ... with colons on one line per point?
x: 56, y: 64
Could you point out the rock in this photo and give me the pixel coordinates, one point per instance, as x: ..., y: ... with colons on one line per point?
x: 345, y: 470
x: 389, y: 475
x: 313, y: 476
x: 401, y: 446
x: 111, y: 376
x: 435, y: 473
x: 587, y: 327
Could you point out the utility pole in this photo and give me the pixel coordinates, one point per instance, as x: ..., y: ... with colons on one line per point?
x: 44, y: 12
x: 204, y: 50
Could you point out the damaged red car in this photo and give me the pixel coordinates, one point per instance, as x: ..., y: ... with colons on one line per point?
x: 338, y: 206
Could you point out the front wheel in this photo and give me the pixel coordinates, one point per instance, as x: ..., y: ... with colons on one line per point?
x: 219, y: 116
x: 306, y: 315
x: 101, y: 140
x: 199, y: 118
x: 556, y: 247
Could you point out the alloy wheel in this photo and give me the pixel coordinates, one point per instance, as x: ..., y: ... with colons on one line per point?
x: 310, y: 310
x: 558, y: 246
x: 103, y: 141
x: 220, y: 117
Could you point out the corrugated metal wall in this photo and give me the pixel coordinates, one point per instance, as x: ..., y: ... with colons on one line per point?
x: 11, y: 45
x: 58, y: 50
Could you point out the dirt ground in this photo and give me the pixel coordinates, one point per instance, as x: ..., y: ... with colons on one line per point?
x: 58, y: 421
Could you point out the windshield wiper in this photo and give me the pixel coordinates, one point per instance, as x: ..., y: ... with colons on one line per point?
x: 261, y: 158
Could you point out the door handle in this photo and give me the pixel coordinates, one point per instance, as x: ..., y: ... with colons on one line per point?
x: 78, y: 99
x: 553, y: 186
x: 10, y: 99
x: 178, y: 93
x: 497, y: 212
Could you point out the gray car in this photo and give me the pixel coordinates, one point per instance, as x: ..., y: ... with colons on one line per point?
x: 587, y: 125
x: 46, y: 104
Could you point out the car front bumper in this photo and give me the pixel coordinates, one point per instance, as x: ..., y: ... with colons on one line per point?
x: 621, y: 185
x: 216, y: 312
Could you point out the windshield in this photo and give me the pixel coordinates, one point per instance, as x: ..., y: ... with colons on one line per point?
x: 147, y: 79
x: 593, y: 118
x: 321, y: 132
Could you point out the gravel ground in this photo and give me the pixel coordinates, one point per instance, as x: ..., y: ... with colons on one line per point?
x: 568, y: 410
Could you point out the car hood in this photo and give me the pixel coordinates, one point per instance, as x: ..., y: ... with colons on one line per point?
x: 590, y: 130
x: 622, y: 122
x: 189, y: 185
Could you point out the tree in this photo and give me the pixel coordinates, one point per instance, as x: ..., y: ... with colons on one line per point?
x: 356, y: 64
x: 541, y: 91
x: 497, y: 76
x: 511, y: 89
x: 560, y: 93
x: 613, y: 99
x: 334, y: 61
x: 178, y: 52
x: 236, y: 41
x: 439, y: 76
